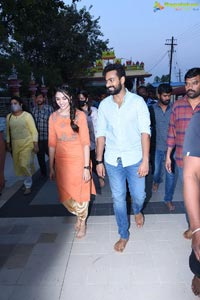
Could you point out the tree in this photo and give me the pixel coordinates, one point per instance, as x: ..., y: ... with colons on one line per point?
x: 156, y: 79
x: 50, y: 38
x: 165, y: 78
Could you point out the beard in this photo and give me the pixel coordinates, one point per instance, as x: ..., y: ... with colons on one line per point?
x: 40, y: 102
x: 115, y: 90
x: 193, y: 94
x: 166, y: 102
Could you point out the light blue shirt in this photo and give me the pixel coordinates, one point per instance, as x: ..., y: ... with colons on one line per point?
x: 122, y: 127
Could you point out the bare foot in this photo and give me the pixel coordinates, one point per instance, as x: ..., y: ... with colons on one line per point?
x: 188, y: 234
x: 120, y: 245
x: 78, y: 224
x: 170, y: 205
x: 196, y: 286
x: 139, y: 220
x: 155, y: 187
x: 81, y: 231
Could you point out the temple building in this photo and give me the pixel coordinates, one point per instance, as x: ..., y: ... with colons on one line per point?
x: 134, y: 70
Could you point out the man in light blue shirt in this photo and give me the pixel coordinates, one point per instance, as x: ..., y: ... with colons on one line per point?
x: 123, y: 130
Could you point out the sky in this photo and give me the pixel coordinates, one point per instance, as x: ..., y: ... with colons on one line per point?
x: 135, y: 31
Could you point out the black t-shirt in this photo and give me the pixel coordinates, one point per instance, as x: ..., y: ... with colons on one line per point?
x: 191, y: 145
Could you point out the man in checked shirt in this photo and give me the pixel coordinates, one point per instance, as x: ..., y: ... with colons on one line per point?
x: 41, y: 113
x: 182, y: 112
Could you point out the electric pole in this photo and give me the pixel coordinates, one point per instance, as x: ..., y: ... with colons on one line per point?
x: 179, y: 75
x: 170, y: 43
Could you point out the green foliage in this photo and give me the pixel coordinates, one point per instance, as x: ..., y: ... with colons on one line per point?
x: 156, y: 79
x: 48, y: 38
x: 165, y: 78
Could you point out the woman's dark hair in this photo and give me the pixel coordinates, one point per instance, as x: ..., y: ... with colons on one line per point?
x: 67, y: 93
x: 21, y: 102
x: 85, y: 94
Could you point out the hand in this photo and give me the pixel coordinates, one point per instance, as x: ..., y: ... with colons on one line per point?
x: 86, y: 175
x: 101, y: 170
x: 52, y: 174
x: 196, y: 244
x: 36, y: 148
x: 8, y: 147
x: 168, y: 165
x: 143, y: 169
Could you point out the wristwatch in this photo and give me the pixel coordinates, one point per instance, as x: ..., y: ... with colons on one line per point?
x: 98, y: 162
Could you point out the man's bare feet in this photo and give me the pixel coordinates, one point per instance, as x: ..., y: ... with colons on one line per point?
x: 196, y: 286
x: 78, y: 224
x: 155, y: 187
x: 139, y: 220
x: 170, y: 205
x: 187, y: 234
x: 120, y: 245
x: 82, y: 230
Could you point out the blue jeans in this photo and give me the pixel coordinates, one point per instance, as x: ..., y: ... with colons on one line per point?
x: 170, y: 178
x: 117, y: 179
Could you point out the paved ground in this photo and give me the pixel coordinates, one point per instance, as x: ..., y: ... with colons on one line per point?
x: 41, y: 259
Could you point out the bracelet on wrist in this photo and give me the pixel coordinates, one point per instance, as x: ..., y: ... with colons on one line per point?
x: 98, y: 162
x: 196, y: 230
x: 87, y: 167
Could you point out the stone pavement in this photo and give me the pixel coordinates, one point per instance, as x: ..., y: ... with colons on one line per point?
x: 41, y: 259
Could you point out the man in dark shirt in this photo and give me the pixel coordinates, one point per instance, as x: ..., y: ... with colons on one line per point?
x: 191, y: 180
x: 41, y: 113
x: 160, y: 115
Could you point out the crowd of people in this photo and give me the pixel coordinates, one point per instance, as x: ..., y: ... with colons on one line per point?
x: 127, y: 136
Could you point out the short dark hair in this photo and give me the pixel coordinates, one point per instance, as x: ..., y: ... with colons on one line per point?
x: 192, y: 73
x: 38, y: 93
x: 164, y: 88
x: 115, y: 67
x: 142, y: 87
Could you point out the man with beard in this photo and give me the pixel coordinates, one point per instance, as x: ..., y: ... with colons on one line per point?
x: 123, y: 129
x: 160, y: 116
x: 182, y: 111
x: 41, y: 113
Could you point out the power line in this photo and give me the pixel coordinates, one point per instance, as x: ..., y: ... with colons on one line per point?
x: 170, y: 43
x: 189, y: 30
x: 158, y: 62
